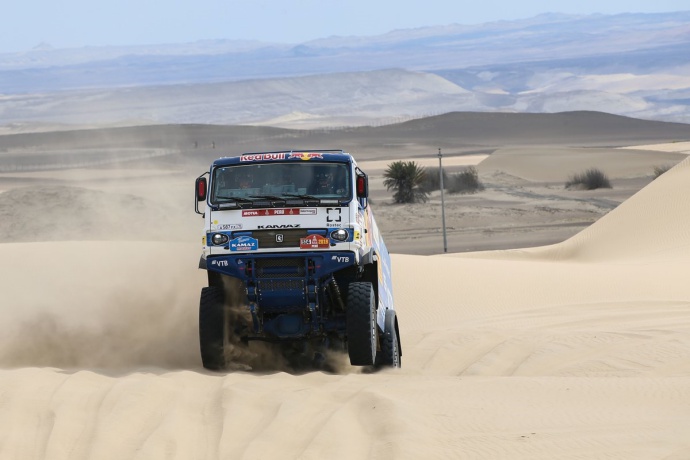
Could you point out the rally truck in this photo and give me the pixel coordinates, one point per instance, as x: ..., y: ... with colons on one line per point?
x: 294, y: 256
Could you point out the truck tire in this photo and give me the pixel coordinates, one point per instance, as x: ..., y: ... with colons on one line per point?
x: 213, y: 324
x: 389, y: 356
x: 361, y: 324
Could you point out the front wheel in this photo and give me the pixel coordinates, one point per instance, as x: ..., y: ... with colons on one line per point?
x: 361, y: 324
x: 213, y: 328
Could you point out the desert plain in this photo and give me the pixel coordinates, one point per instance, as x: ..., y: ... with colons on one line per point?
x: 557, y: 325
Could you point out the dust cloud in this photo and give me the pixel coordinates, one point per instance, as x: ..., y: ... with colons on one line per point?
x: 100, y: 271
x: 116, y: 305
x: 102, y: 304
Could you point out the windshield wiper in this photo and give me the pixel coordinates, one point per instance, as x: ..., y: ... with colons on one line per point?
x: 304, y: 197
x: 234, y: 198
x: 267, y: 197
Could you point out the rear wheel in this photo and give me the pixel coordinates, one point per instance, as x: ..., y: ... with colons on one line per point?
x: 213, y: 328
x: 389, y: 356
x: 361, y: 324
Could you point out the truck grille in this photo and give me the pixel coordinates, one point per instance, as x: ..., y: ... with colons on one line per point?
x: 289, y: 267
x: 279, y: 238
x: 281, y: 285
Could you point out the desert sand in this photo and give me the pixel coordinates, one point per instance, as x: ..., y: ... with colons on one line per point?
x: 574, y: 350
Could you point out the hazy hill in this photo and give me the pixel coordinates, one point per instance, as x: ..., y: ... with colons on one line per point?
x: 628, y: 64
x: 543, y: 38
x: 339, y: 99
x: 457, y: 133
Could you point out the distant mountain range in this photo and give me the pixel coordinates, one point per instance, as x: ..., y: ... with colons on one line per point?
x: 629, y: 64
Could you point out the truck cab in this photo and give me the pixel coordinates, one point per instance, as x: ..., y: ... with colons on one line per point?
x: 290, y: 240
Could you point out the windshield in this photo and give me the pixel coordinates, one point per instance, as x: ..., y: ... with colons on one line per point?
x: 281, y: 180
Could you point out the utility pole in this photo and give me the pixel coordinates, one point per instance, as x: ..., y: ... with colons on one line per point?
x: 443, y: 203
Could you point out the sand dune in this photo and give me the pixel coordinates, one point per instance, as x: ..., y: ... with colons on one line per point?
x: 574, y: 350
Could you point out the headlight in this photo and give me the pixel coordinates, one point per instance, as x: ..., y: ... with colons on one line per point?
x: 219, y: 238
x: 340, y: 235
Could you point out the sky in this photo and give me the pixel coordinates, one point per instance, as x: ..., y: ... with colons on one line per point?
x: 79, y: 23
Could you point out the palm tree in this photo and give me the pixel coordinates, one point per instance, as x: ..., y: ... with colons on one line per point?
x: 406, y: 178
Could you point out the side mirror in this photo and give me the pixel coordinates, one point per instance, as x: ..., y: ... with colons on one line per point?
x: 200, y: 189
x: 362, y: 186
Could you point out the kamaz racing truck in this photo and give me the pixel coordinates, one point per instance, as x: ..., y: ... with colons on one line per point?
x: 294, y: 256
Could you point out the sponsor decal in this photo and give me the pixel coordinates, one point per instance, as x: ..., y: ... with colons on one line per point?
x: 220, y: 263
x: 263, y: 157
x: 229, y: 226
x: 332, y: 225
x: 305, y: 156
x: 334, y: 215
x: 357, y: 235
x: 244, y: 243
x: 342, y: 259
x: 314, y: 242
x: 264, y: 227
x: 279, y: 212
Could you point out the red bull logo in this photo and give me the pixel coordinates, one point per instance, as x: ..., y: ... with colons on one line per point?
x: 262, y: 157
x: 305, y: 156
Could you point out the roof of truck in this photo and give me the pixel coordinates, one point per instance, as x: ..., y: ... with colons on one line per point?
x: 287, y: 155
